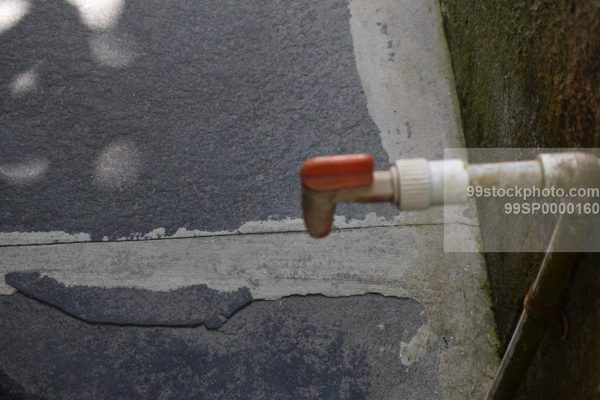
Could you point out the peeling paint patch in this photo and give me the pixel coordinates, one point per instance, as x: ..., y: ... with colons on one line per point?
x: 300, y: 348
x: 430, y: 217
x: 26, y: 238
x: 190, y: 305
x: 416, y: 349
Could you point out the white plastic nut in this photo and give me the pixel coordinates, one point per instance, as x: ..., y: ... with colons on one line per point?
x: 412, y: 184
x: 419, y: 184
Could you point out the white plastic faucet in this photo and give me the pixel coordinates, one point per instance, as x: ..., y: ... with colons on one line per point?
x: 417, y: 184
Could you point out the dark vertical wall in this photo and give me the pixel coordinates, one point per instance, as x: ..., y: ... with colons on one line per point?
x: 528, y: 75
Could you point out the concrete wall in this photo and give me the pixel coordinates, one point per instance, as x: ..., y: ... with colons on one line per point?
x: 527, y: 75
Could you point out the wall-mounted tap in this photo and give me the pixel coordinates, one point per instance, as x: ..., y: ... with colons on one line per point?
x: 412, y: 184
x: 417, y: 184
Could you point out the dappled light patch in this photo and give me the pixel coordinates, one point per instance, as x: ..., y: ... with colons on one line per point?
x: 118, y: 165
x: 11, y: 12
x: 24, y: 82
x: 99, y: 14
x: 111, y: 50
x: 24, y: 172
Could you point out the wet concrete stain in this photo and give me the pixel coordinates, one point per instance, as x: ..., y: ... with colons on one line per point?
x: 190, y: 305
x: 294, y: 348
x: 203, y: 127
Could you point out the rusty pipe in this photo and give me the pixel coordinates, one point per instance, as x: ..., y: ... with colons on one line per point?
x: 565, y: 170
x: 540, y: 306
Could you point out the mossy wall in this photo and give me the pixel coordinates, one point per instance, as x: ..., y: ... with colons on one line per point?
x: 528, y: 75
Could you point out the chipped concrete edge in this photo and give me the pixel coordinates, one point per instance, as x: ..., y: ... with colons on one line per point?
x: 253, y: 227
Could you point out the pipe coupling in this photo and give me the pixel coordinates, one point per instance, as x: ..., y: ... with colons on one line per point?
x: 418, y: 184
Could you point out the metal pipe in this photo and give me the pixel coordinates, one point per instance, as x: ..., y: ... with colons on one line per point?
x: 540, y: 304
x: 564, y: 170
x: 521, y: 173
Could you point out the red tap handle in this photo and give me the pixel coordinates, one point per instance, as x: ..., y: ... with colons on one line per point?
x: 337, y: 172
x: 321, y: 178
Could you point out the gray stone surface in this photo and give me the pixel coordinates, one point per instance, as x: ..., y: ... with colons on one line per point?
x: 406, y: 262
x: 188, y: 305
x: 294, y: 348
x: 197, y: 114
x: 185, y: 119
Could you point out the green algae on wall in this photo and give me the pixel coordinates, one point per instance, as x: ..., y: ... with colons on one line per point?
x: 528, y: 75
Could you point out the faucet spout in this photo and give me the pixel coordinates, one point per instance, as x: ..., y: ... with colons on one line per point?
x: 327, y: 181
